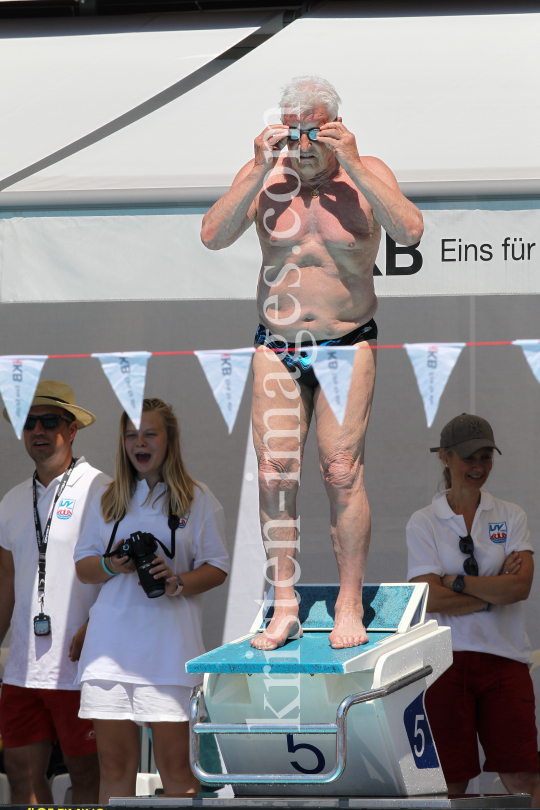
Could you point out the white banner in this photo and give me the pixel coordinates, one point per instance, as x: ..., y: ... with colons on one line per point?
x: 462, y: 252
x: 333, y: 366
x: 465, y: 252
x: 432, y: 364
x: 19, y: 376
x: 226, y: 372
x: 531, y: 350
x: 126, y: 372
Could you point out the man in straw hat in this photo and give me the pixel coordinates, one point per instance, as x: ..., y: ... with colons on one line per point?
x: 46, y: 605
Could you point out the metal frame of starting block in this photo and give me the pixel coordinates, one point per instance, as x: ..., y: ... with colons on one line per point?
x: 363, y: 706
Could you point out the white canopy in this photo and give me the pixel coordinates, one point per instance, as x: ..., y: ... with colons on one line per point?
x: 67, y: 78
x: 439, y: 98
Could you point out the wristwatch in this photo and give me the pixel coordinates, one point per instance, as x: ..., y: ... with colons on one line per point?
x: 458, y: 585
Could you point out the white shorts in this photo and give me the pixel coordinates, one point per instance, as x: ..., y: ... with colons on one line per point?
x: 107, y: 700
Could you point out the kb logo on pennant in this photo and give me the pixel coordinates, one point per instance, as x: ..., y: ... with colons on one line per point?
x: 498, y: 532
x: 65, y: 509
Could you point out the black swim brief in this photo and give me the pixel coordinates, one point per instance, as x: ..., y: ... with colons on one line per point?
x: 301, y: 360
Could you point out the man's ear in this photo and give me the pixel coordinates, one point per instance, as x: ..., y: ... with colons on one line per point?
x: 339, y: 119
x: 73, y: 428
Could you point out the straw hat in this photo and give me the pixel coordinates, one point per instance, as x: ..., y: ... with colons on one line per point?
x: 52, y: 392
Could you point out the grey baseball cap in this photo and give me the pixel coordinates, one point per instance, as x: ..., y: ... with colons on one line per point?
x: 466, y: 434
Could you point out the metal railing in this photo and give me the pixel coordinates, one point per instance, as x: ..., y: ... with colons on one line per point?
x: 339, y: 728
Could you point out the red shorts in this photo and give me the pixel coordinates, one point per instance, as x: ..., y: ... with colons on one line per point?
x: 489, y: 696
x: 28, y: 716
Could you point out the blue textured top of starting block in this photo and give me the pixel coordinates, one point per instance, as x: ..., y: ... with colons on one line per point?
x: 384, y: 606
x: 310, y: 654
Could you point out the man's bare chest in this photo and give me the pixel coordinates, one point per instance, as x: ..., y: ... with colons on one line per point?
x: 339, y: 217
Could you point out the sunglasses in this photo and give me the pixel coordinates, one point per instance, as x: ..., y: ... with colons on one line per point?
x: 466, y: 546
x: 49, y: 421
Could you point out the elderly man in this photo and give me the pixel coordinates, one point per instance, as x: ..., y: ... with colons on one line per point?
x: 46, y: 605
x: 318, y: 209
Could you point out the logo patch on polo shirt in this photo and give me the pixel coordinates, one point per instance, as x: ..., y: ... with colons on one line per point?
x: 182, y: 522
x: 65, y: 508
x: 498, y: 532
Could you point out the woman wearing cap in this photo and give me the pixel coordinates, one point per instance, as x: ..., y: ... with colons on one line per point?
x: 474, y: 552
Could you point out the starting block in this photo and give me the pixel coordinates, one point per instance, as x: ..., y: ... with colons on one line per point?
x: 306, y: 720
x: 307, y: 726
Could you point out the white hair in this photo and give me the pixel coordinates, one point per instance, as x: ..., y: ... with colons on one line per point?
x: 308, y: 92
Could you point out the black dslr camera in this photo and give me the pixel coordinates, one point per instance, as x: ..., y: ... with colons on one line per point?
x: 140, y: 547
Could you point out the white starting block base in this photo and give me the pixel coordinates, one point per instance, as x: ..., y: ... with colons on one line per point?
x: 433, y: 802
x: 309, y: 726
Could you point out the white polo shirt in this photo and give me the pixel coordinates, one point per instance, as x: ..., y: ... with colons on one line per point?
x: 498, y: 529
x: 134, y: 639
x: 42, y: 661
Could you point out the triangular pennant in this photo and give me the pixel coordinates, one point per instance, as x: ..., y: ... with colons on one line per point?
x: 19, y: 376
x: 432, y: 364
x: 531, y: 350
x: 226, y: 372
x: 126, y: 372
x: 333, y: 367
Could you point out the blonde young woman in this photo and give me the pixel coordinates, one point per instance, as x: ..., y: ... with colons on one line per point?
x: 132, y: 667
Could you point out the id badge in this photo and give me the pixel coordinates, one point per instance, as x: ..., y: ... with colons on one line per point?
x: 42, y: 625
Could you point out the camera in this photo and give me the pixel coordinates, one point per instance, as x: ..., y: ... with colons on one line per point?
x: 140, y: 547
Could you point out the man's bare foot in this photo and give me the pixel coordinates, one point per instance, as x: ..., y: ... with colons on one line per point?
x: 349, y: 630
x: 283, y: 625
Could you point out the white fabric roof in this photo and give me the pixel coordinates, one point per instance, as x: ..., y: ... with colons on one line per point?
x: 69, y: 77
x: 436, y: 97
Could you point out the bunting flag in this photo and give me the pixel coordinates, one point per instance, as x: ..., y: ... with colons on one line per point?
x: 126, y: 372
x: 19, y: 376
x: 432, y: 364
x: 531, y: 350
x: 333, y: 366
x: 226, y: 372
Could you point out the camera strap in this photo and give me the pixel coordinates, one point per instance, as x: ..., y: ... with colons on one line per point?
x: 43, y: 537
x: 173, y: 521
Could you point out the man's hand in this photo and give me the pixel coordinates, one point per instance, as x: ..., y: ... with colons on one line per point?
x: 75, y: 648
x: 121, y: 565
x: 269, y: 144
x: 341, y: 142
x: 161, y: 570
x: 448, y: 580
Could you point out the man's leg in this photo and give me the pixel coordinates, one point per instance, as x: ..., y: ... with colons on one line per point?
x: 341, y: 454
x: 119, y: 751
x: 26, y: 768
x: 84, y: 774
x: 282, y: 410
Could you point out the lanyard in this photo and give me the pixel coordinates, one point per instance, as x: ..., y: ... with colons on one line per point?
x: 43, y: 537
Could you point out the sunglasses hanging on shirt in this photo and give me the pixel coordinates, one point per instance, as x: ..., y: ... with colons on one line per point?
x: 470, y: 565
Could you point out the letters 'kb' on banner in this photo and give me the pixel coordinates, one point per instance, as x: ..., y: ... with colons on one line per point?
x: 19, y: 376
x: 333, y: 367
x: 432, y: 364
x: 226, y: 372
x: 126, y: 372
